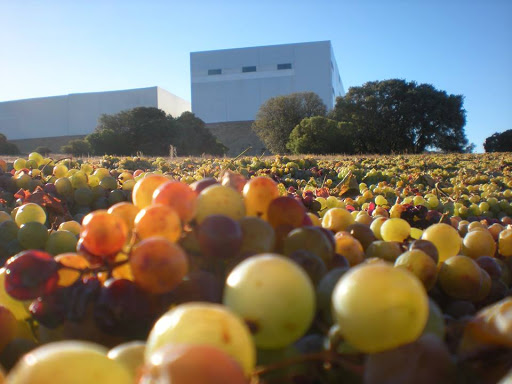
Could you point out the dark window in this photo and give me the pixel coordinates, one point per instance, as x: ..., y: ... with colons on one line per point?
x: 284, y: 66
x: 251, y: 68
x: 215, y: 72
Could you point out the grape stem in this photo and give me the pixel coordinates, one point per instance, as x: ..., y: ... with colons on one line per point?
x: 102, y: 268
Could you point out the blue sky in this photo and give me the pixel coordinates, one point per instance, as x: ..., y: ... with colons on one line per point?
x: 460, y: 46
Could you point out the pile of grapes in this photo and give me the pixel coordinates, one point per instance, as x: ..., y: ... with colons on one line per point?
x: 256, y: 270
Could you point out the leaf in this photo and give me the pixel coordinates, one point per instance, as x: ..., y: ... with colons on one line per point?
x: 348, y: 185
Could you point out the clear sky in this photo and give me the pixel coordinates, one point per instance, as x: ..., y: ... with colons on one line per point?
x: 55, y: 47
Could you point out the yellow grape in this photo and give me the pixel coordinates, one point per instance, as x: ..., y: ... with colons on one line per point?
x: 65, y: 362
x: 71, y: 226
x: 379, y: 307
x: 505, y: 243
x: 158, y: 220
x: 142, y: 193
x: 30, y: 212
x: 445, y: 238
x: 337, y: 219
x: 258, y: 192
x: 204, y: 323
x: 395, y: 229
x: 219, y: 199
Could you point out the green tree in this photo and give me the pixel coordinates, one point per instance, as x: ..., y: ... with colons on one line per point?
x: 499, y: 142
x: 6, y: 147
x: 77, y: 147
x: 399, y: 116
x: 278, y: 116
x: 321, y: 135
x: 194, y: 139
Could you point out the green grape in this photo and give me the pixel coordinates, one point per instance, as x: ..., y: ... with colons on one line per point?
x: 63, y: 186
x: 65, y: 362
x: 93, y: 181
x: 78, y: 180
x: 258, y: 235
x: 33, y: 235
x: 376, y: 226
x: 274, y: 295
x: 395, y: 229
x: 478, y: 243
x: 130, y: 355
x: 381, y: 200
x: 108, y: 182
x: 4, y: 216
x: 83, y: 196
x: 8, y: 232
x: 60, y: 170
x: 86, y: 168
x: 324, y: 293
x: 19, y: 164
x: 30, y: 212
x: 445, y: 238
x: 100, y: 173
x: 421, y: 264
x: 204, y: 323
x: 460, y: 277
x: 61, y: 241
x: 379, y: 307
x: 435, y: 322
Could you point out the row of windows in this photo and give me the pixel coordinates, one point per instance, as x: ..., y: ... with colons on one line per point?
x: 250, y: 68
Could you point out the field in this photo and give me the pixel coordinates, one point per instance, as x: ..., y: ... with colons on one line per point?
x: 271, y: 269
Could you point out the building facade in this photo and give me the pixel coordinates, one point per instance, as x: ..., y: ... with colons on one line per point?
x: 230, y: 85
x: 77, y: 115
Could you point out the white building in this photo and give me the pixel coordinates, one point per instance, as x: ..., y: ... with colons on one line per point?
x: 231, y: 84
x: 77, y: 114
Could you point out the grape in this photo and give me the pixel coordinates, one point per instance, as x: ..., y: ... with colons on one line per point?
x: 284, y: 295
x: 460, y: 308
x: 435, y: 322
x: 123, y: 309
x: 349, y: 247
x: 204, y: 323
x: 142, y: 193
x: 72, y: 226
x: 427, y: 361
x: 30, y: 212
x: 65, y: 362
x: 420, y: 264
x: 376, y: 226
x: 198, y: 364
x: 395, y: 229
x: 60, y: 242
x: 16, y: 307
x: 63, y: 186
x: 130, y: 355
x: 445, y: 238
x: 478, y: 243
x: 199, y: 185
x: 8, y: 232
x: 285, y: 211
x: 219, y: 199
x: 126, y: 211
x: 258, y: 236
x: 179, y: 196
x: 158, y: 220
x: 460, y: 277
x: 258, y: 192
x: 83, y: 196
x: 312, y: 264
x: 4, y: 216
x: 505, y: 243
x: 490, y: 265
x: 309, y: 239
x: 362, y: 233
x: 68, y: 276
x: 100, y: 173
x: 386, y: 250
x: 379, y: 307
x: 19, y: 164
x: 50, y: 310
x: 158, y: 265
x: 103, y: 234
x: 426, y: 246
x: 337, y: 219
x: 33, y: 235
x: 108, y: 183
x: 8, y: 326
x: 324, y: 291
x: 30, y: 274
x: 219, y: 236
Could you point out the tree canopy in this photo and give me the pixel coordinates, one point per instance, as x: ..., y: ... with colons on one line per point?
x: 399, y: 116
x: 499, y: 142
x: 150, y: 131
x: 6, y: 147
x: 278, y: 116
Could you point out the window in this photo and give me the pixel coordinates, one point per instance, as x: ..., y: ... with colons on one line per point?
x: 251, y: 68
x: 214, y: 72
x: 284, y: 66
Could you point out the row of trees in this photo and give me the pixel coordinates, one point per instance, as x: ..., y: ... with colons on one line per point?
x: 148, y: 130
x: 378, y: 117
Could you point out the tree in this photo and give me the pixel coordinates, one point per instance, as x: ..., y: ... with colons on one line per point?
x: 77, y: 147
x: 399, y: 116
x: 499, y: 142
x: 278, y: 116
x: 193, y: 138
x: 151, y: 131
x: 6, y: 147
x: 320, y: 135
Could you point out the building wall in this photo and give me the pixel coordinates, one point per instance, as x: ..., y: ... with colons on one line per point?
x: 235, y: 95
x: 77, y: 114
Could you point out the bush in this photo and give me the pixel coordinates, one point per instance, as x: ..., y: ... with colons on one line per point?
x: 6, y: 147
x: 77, y: 147
x: 499, y: 142
x: 320, y: 135
x: 43, y: 150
